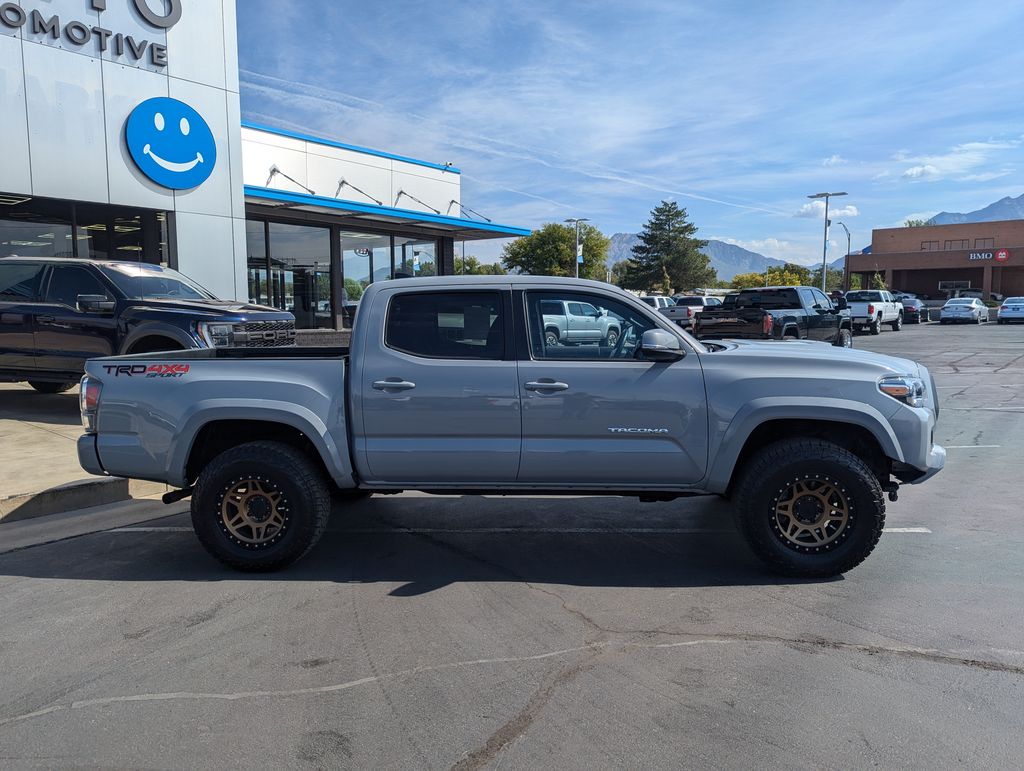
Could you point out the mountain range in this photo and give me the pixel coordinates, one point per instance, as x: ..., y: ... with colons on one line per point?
x: 726, y: 259
x: 1003, y: 209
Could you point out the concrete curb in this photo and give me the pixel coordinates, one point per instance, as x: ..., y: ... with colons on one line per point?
x: 83, y: 494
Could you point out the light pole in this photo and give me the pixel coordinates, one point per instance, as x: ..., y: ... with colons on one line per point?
x: 579, y: 250
x: 848, y: 247
x: 824, y: 246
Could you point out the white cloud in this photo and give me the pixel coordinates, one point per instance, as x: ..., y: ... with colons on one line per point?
x: 986, y: 176
x: 834, y: 160
x: 816, y: 210
x: 921, y: 172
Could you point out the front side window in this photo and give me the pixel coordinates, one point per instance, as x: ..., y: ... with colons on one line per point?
x: 447, y: 325
x: 19, y: 282
x: 821, y: 299
x: 611, y: 331
x: 69, y: 281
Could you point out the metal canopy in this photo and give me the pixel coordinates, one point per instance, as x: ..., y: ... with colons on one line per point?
x: 459, y: 228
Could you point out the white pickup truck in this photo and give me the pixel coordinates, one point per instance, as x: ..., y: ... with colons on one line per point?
x: 871, y: 308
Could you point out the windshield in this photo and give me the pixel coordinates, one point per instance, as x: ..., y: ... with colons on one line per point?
x: 151, y: 282
x: 960, y: 302
x: 1013, y: 300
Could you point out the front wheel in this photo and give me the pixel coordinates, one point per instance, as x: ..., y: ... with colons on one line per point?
x: 612, y: 338
x: 550, y: 338
x: 809, y: 508
x: 260, y: 506
x: 844, y: 339
x: 44, y: 387
x: 897, y: 325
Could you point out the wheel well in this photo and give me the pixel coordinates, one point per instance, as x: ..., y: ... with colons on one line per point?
x: 791, y: 331
x: 154, y: 344
x: 220, y: 435
x: 849, y: 436
x: 552, y: 328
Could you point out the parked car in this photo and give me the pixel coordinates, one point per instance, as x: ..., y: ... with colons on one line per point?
x: 963, y: 310
x: 777, y: 313
x: 901, y: 296
x: 688, y: 306
x: 914, y: 311
x: 55, y: 313
x: 452, y: 386
x: 569, y: 323
x: 1011, y: 310
x: 871, y: 308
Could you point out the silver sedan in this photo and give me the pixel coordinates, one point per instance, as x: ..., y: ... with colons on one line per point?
x: 1012, y: 309
x: 968, y: 310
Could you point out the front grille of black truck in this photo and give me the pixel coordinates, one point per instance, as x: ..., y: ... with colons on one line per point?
x: 264, y: 334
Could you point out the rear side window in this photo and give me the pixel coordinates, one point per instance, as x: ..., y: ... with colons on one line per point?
x: 69, y: 281
x: 447, y: 325
x: 19, y: 282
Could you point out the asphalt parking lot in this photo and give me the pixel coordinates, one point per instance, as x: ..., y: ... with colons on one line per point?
x: 431, y: 632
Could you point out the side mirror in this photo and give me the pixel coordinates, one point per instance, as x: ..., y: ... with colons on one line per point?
x: 841, y: 303
x: 604, y: 311
x: 95, y: 303
x: 659, y: 345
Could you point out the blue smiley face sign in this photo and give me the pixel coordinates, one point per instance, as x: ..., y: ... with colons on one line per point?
x: 170, y: 143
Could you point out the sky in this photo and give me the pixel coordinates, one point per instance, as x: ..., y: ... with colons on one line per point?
x: 735, y: 110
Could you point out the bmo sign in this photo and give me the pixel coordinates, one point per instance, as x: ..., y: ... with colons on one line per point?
x: 1002, y: 255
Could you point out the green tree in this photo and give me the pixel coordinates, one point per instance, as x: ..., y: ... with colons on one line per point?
x: 473, y: 267
x: 833, y: 279
x: 551, y: 251
x: 619, y: 271
x: 877, y: 282
x: 777, y: 275
x: 353, y: 289
x: 668, y: 254
x: 914, y: 223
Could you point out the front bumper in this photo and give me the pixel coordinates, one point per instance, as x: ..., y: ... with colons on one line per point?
x: 88, y: 457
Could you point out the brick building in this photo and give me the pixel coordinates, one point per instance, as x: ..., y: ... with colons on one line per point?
x: 934, y: 259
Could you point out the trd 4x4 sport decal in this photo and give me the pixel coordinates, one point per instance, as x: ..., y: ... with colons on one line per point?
x: 147, y: 370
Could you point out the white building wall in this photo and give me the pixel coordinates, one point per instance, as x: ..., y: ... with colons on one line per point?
x: 64, y: 108
x: 320, y: 166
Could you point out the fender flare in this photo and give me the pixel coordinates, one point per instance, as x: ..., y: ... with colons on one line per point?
x: 156, y: 329
x: 759, y: 411
x: 335, y: 459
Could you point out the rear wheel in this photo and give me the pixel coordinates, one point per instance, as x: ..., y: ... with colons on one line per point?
x: 844, y: 339
x: 876, y: 326
x: 51, y: 388
x: 897, y: 325
x: 260, y: 506
x: 810, y: 508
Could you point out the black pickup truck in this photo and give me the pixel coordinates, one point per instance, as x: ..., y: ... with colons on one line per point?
x: 778, y: 313
x: 55, y: 313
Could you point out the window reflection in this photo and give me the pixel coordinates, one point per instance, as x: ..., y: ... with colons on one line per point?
x: 256, y: 262
x: 415, y: 258
x: 365, y: 258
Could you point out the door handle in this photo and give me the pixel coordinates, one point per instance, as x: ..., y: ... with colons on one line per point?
x: 537, y: 385
x: 396, y: 385
x: 46, y: 319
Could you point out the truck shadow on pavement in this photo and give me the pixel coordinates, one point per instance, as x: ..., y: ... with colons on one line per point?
x: 23, y: 404
x: 416, y: 545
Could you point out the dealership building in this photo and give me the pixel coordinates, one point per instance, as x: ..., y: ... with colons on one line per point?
x: 935, y: 260
x: 122, y: 138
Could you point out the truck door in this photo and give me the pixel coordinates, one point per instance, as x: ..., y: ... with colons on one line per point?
x: 436, y: 396
x: 67, y: 336
x: 597, y: 415
x: 19, y: 293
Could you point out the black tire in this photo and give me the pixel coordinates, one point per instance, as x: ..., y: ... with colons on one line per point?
x: 897, y: 325
x: 550, y: 337
x: 978, y: 322
x: 612, y: 338
x: 303, y: 506
x: 844, y: 339
x: 875, y: 327
x: 775, y: 472
x: 44, y: 387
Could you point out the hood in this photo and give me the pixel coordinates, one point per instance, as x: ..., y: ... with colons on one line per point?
x: 808, y: 353
x: 212, y: 307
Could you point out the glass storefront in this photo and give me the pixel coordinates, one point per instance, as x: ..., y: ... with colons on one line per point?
x: 293, y: 267
x: 45, y: 227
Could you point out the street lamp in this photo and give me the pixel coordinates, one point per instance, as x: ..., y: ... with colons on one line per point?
x: 824, y: 246
x: 579, y: 250
x: 847, y: 246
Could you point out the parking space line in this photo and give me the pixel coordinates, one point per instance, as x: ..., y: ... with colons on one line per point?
x: 525, y: 530
x: 971, y: 446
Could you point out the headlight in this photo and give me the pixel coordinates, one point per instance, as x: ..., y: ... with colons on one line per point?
x: 215, y: 335
x: 909, y: 390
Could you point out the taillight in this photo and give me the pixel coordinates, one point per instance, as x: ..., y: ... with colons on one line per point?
x: 89, y: 402
x: 1004, y: 308
x: 871, y: 310
x: 766, y: 324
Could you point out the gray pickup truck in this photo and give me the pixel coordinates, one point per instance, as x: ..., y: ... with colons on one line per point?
x: 570, y: 323
x: 451, y: 385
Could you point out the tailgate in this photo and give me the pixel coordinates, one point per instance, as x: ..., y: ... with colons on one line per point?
x: 731, y: 322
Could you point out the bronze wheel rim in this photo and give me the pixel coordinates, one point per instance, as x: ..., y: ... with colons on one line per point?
x: 812, y: 513
x: 253, y: 512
